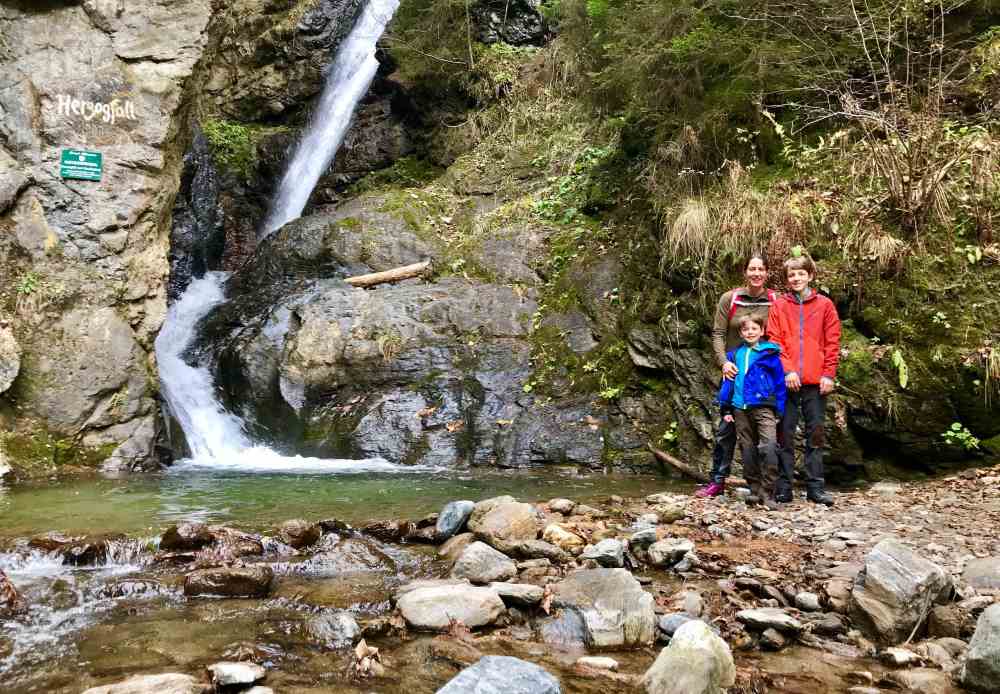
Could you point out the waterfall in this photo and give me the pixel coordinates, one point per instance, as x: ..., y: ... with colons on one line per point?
x: 347, y: 81
x: 218, y: 438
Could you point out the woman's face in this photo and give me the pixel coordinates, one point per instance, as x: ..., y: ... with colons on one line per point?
x: 756, y: 274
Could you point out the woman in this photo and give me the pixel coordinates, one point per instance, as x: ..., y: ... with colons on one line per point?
x: 752, y: 300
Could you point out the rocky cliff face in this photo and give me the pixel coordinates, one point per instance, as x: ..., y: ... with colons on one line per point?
x: 84, y: 262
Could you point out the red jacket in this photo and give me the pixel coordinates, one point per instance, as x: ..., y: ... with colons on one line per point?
x: 809, y: 335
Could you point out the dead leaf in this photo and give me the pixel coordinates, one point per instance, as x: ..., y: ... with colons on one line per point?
x: 547, y: 596
x: 456, y: 425
x: 504, y: 422
x: 427, y: 411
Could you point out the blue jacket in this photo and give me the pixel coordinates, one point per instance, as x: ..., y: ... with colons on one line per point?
x: 760, y: 381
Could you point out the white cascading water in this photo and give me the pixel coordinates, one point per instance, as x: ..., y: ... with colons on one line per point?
x: 347, y: 81
x: 217, y: 438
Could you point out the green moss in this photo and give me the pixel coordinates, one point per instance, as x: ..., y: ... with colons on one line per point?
x: 41, y: 453
x: 407, y: 172
x: 234, y: 145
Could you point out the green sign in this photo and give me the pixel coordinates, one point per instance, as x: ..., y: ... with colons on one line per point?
x: 77, y: 163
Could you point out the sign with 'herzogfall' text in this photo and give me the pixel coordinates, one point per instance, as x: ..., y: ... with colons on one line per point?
x: 80, y: 164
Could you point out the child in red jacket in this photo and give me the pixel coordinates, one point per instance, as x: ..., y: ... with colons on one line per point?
x: 806, y: 326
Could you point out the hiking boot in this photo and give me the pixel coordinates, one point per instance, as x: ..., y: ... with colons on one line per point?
x: 783, y: 498
x: 820, y: 498
x: 711, y: 490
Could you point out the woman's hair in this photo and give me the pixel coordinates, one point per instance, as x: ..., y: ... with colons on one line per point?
x: 801, y: 262
x: 755, y: 256
x: 753, y: 318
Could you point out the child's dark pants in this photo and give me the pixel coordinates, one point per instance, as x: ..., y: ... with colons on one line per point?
x: 722, y: 454
x: 813, y: 408
x: 755, y: 432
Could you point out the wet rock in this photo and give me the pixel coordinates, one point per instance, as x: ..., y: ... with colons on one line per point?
x: 981, y: 671
x: 584, y: 510
x: 80, y: 551
x: 299, y: 533
x: 130, y: 588
x: 597, y: 662
x: 763, y: 618
x: 540, y: 549
x: 170, y: 683
x: 453, y: 548
x: 983, y: 574
x: 481, y: 564
x: 642, y: 538
x: 564, y: 629
x: 669, y: 551
x: 494, y: 674
x: 607, y: 553
x: 899, y: 657
x: 566, y: 540
x: 935, y: 653
x: 235, y: 674
x: 669, y: 513
x: 828, y: 624
x: 186, y: 536
x: 895, y: 591
x: 249, y: 581
x: 921, y: 681
x: 615, y: 608
x: 503, y: 522
x: 946, y: 620
x: 772, y: 640
x: 519, y: 594
x: 433, y: 608
x: 334, y: 629
x: 516, y: 22
x: 388, y: 530
x: 669, y: 623
x: 563, y: 506
x: 808, y: 602
x: 697, y: 661
x: 453, y: 518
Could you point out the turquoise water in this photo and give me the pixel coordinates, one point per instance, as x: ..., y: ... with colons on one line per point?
x: 146, y: 504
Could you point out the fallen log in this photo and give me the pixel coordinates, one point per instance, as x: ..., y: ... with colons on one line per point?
x: 685, y: 469
x: 393, y: 275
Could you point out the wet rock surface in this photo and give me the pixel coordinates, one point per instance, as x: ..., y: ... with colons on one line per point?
x: 496, y: 674
x: 615, y: 609
x: 254, y: 582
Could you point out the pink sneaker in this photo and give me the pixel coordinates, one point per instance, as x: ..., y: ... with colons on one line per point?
x: 713, y: 489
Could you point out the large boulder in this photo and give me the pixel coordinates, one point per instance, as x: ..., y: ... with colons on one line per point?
x: 615, y: 608
x: 435, y: 607
x: 170, y: 683
x: 235, y: 674
x: 895, y: 591
x: 500, y: 674
x: 480, y: 563
x: 981, y: 671
x: 697, y: 661
x: 609, y: 553
x: 669, y: 551
x: 503, y: 522
x: 230, y: 582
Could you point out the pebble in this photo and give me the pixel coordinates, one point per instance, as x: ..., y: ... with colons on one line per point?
x: 760, y: 524
x: 772, y: 640
x: 808, y: 602
x: 899, y: 657
x: 694, y: 604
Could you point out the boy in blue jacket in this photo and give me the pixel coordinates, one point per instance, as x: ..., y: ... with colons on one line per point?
x: 755, y: 401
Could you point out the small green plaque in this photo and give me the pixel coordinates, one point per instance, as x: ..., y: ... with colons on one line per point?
x: 78, y: 163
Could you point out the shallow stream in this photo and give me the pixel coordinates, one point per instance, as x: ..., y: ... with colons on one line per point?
x: 89, y: 625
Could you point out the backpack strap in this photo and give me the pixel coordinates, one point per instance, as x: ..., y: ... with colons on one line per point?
x: 771, y: 298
